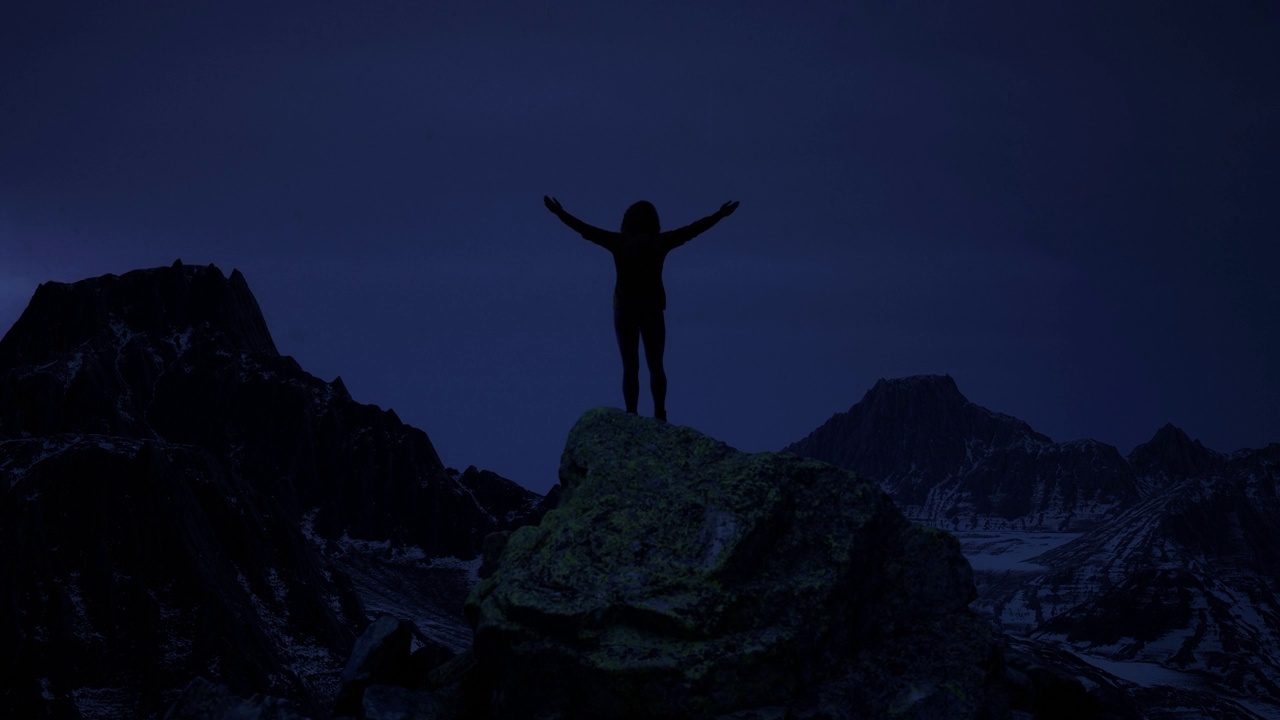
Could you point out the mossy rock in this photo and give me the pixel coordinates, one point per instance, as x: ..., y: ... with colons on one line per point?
x: 679, y: 577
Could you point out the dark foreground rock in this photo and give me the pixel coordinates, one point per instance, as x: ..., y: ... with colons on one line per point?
x: 679, y: 577
x: 204, y: 700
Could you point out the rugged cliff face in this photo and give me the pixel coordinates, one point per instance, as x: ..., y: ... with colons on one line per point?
x: 953, y: 464
x: 177, y: 499
x: 1167, y: 569
x: 1185, y: 578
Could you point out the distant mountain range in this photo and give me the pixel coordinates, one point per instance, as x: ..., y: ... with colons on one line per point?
x: 1177, y: 559
x: 178, y: 497
x: 956, y: 465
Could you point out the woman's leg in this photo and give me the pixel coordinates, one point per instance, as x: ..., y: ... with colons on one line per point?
x: 654, y: 329
x: 628, y: 332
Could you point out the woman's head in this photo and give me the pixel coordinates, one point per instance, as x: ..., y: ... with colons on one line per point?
x: 641, y: 217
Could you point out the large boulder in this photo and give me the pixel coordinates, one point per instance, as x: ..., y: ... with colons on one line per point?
x: 679, y: 577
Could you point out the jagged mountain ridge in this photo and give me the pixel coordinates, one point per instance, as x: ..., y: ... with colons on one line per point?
x: 173, y: 492
x: 953, y: 464
x: 1185, y: 578
x: 1180, y: 572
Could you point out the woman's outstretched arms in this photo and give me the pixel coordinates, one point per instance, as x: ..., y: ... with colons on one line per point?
x: 675, y: 238
x: 603, y: 238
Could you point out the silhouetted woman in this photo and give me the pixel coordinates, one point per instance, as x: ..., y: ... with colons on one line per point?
x: 638, y: 296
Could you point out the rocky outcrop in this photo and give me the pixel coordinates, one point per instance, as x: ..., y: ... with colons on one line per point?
x: 679, y: 577
x: 204, y: 700
x: 952, y: 464
x: 179, y: 499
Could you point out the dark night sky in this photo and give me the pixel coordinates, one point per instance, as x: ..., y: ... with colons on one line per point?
x: 1069, y: 207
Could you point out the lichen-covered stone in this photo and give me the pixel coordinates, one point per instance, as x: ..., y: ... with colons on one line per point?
x: 680, y: 577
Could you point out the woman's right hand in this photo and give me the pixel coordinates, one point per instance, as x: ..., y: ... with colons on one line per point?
x: 727, y: 209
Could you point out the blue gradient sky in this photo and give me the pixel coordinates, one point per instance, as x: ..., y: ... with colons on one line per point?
x: 1069, y: 207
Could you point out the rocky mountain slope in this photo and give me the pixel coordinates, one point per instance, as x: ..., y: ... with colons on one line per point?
x: 1167, y: 571
x: 1186, y: 578
x: 950, y: 463
x: 678, y: 577
x: 178, y: 499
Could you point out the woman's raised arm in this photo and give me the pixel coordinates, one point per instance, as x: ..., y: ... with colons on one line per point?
x: 675, y: 238
x: 601, y: 237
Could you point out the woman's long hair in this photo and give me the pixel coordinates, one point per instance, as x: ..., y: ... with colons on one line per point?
x: 640, y: 218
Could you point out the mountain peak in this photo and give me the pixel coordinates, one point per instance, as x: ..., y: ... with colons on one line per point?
x: 88, y: 356
x: 201, y: 481
x: 1170, y: 436
x: 1172, y: 454
x: 938, y: 392
x: 943, y: 384
x: 157, y: 303
x: 1171, y: 433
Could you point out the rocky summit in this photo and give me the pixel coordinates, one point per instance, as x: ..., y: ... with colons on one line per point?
x: 953, y: 464
x: 178, y: 499
x: 681, y: 578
